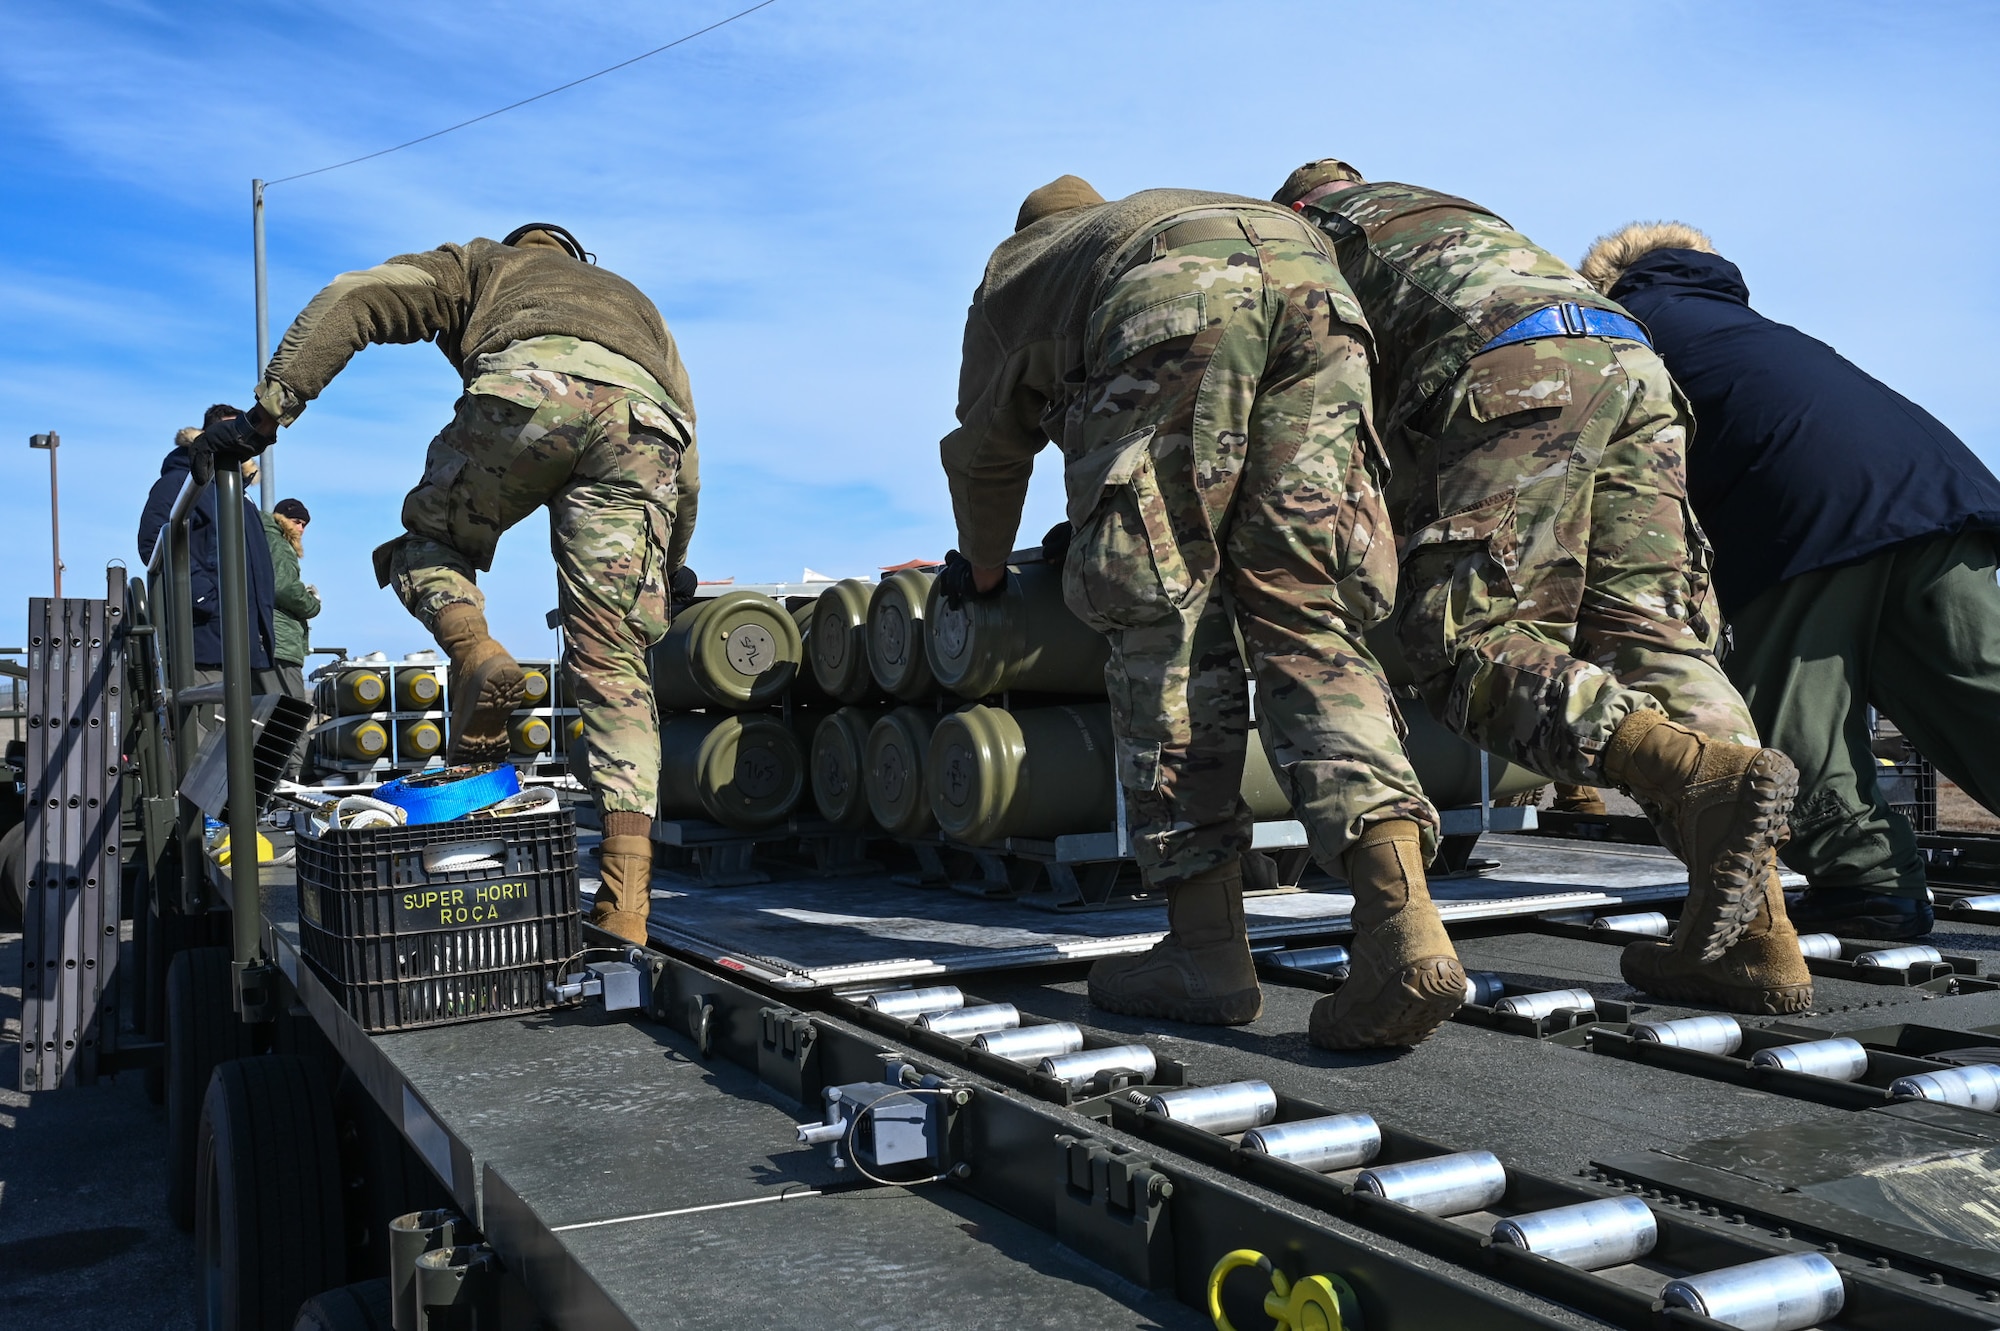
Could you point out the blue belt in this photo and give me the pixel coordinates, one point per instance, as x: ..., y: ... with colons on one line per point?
x: 439, y: 797
x: 1570, y: 319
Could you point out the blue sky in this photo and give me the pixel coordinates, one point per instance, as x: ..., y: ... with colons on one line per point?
x: 809, y: 195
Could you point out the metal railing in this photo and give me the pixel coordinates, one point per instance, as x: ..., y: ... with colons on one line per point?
x: 170, y: 601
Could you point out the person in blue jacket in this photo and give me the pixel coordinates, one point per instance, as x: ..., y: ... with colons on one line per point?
x: 1855, y: 559
x: 205, y: 573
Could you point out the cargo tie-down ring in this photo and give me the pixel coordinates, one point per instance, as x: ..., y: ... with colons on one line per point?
x: 1312, y: 1303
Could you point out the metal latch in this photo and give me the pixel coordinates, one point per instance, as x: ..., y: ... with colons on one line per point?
x: 902, y: 1120
x: 616, y: 982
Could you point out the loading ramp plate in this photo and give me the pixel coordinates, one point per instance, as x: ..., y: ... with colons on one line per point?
x: 818, y: 933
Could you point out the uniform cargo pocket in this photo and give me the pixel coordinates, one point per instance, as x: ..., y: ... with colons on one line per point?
x: 1513, y: 379
x: 1124, y: 569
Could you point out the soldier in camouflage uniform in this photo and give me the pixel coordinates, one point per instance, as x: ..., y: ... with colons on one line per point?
x: 1205, y: 371
x: 575, y: 400
x: 1554, y: 604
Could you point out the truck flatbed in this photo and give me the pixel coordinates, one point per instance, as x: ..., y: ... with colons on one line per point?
x: 641, y: 1169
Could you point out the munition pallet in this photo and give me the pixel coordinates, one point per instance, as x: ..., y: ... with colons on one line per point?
x: 385, y: 719
x: 715, y: 856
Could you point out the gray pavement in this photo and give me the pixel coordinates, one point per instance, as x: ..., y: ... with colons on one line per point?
x: 84, y: 1236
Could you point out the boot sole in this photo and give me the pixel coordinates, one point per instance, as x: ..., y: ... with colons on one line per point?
x: 479, y: 728
x: 1775, y: 1001
x: 1421, y: 997
x: 1237, y: 1009
x: 1736, y: 873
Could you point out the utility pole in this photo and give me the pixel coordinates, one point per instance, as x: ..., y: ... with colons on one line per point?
x: 52, y: 441
x: 267, y: 478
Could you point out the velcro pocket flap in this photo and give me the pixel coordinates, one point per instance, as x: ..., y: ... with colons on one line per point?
x: 516, y: 386
x: 1087, y: 478
x: 1481, y: 522
x: 1515, y: 378
x: 647, y: 415
x: 1179, y: 316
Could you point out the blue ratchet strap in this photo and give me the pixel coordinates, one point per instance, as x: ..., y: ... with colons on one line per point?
x: 439, y: 797
x: 1570, y: 319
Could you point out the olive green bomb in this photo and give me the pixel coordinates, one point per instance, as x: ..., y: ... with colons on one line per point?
x: 743, y: 770
x: 839, y: 653
x: 896, y: 633
x: 839, y: 766
x: 739, y: 651
x: 894, y: 777
x: 1024, y: 639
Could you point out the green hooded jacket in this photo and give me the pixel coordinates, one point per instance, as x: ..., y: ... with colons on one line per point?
x: 295, y: 601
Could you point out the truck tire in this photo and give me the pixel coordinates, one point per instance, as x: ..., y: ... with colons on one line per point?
x: 384, y: 1177
x: 358, y: 1307
x: 13, y: 876
x: 202, y: 1034
x: 267, y: 1194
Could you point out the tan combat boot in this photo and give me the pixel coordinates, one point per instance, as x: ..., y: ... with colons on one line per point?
x: 1722, y: 807
x: 1578, y: 799
x: 486, y: 685
x: 625, y: 859
x: 1201, y: 971
x: 1404, y: 980
x: 1763, y: 973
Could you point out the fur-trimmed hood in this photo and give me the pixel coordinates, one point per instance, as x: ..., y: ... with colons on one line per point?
x: 1609, y: 256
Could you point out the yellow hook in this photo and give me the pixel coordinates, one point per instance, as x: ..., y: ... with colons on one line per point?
x: 1313, y: 1303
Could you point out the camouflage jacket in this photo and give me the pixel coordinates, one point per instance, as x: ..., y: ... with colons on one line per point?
x: 1024, y: 349
x: 1438, y: 277
x: 473, y: 300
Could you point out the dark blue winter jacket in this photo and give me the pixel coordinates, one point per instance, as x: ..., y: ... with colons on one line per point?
x: 1800, y: 460
x: 204, y: 574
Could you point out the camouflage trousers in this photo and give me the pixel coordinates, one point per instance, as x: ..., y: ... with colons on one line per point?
x: 603, y: 460
x: 1554, y: 579
x: 1220, y: 467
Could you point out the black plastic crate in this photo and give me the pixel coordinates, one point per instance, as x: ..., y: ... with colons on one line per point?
x: 1910, y: 788
x: 405, y: 945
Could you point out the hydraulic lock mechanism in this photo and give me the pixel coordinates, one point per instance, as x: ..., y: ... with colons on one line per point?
x: 618, y: 983
x: 899, y: 1123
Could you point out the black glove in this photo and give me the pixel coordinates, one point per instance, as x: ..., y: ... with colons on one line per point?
x: 956, y: 584
x: 681, y: 585
x: 1055, y: 546
x: 230, y: 442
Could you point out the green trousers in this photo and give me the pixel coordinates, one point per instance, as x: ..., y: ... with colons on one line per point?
x: 1914, y: 631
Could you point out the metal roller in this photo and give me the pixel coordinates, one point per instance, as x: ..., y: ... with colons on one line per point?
x: 911, y: 1003
x: 1826, y: 947
x: 964, y: 1023
x: 1081, y: 1066
x: 1975, y: 1086
x: 1899, y: 958
x: 1031, y: 1044
x: 1337, y: 1141
x: 1786, y: 1293
x: 1984, y: 905
x: 1484, y: 988
x: 1231, y: 1107
x: 1711, y: 1035
x: 1839, y: 1058
x: 1311, y: 959
x: 1549, y: 1000
x: 1440, y: 1185
x: 1589, y: 1235
x: 1650, y: 922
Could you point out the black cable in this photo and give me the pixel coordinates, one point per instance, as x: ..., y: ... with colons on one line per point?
x: 763, y: 4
